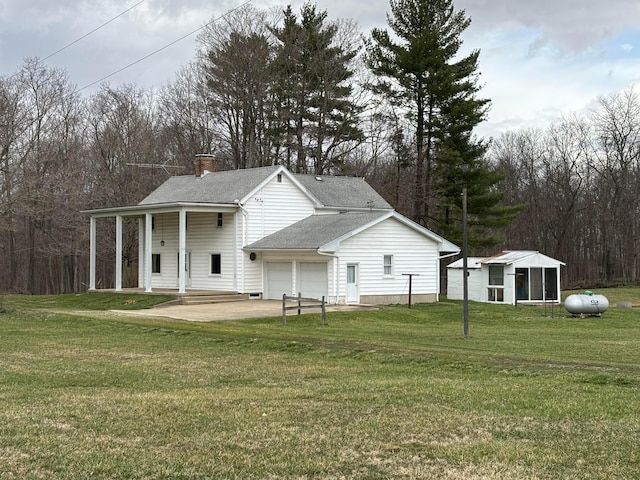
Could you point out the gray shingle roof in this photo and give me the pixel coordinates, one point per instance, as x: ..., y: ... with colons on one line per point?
x: 342, y: 192
x: 215, y: 187
x: 227, y: 186
x: 315, y: 231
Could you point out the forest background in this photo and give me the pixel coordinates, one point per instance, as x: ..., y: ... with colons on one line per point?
x: 569, y: 191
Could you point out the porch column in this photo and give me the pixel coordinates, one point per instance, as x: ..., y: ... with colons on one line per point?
x: 118, y: 253
x: 141, y: 269
x: 182, y: 248
x: 92, y: 254
x: 148, y: 236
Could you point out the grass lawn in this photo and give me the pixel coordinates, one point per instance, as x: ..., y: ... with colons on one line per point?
x: 396, y: 393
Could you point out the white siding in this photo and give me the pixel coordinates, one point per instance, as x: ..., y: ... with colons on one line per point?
x: 275, y: 206
x: 204, y: 237
x: 165, y: 229
x: 474, y: 283
x: 412, y: 253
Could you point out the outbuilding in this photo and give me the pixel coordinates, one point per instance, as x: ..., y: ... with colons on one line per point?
x: 512, y: 277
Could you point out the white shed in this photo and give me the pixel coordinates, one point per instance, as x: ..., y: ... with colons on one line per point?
x: 512, y: 277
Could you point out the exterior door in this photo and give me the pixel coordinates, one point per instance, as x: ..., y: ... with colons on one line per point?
x: 353, y: 295
x: 278, y: 279
x: 312, y: 280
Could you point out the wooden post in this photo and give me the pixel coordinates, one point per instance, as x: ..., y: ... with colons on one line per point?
x: 284, y: 309
x: 324, y: 312
x: 299, y: 301
x: 410, y: 275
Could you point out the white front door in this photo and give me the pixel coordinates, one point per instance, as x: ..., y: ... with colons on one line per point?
x: 353, y: 295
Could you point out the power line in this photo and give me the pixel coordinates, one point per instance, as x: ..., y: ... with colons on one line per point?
x: 79, y: 39
x: 164, y: 47
x: 92, y: 31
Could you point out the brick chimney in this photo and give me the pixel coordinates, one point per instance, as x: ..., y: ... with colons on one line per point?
x: 204, y: 163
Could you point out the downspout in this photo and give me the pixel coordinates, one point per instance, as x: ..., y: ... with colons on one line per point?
x: 335, y: 271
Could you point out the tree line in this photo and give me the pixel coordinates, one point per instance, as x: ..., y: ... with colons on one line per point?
x: 301, y: 90
x: 579, y: 179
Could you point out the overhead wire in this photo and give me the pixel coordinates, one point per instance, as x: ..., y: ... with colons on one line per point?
x: 92, y: 31
x: 141, y: 59
x: 38, y: 60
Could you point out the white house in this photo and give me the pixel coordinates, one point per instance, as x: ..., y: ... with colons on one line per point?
x: 266, y: 232
x: 518, y: 276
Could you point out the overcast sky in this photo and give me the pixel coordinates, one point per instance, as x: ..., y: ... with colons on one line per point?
x: 539, y: 59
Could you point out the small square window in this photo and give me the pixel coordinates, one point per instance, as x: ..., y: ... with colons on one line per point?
x: 216, y: 264
x: 220, y: 219
x: 155, y: 263
x: 388, y: 265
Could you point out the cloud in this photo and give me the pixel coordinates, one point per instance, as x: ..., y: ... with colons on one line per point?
x: 539, y: 59
x: 574, y: 25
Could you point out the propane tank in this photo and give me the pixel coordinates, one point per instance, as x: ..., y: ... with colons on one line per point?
x: 586, y: 304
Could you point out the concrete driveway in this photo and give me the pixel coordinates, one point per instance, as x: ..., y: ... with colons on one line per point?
x: 231, y: 310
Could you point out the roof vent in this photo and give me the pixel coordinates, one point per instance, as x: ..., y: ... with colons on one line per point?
x: 319, y: 179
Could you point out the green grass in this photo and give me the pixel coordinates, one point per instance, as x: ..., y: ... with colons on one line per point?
x: 397, y: 393
x: 86, y: 301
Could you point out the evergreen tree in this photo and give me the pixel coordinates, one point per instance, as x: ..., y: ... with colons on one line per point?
x: 315, y: 112
x: 422, y: 73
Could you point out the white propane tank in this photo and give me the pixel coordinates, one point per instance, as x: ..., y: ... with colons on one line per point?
x: 586, y: 304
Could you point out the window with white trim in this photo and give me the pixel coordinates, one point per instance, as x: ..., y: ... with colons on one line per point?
x: 216, y: 264
x: 220, y: 219
x: 155, y: 263
x: 495, y: 292
x: 387, y: 269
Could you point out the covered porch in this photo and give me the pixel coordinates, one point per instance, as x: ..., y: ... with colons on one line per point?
x: 151, y: 243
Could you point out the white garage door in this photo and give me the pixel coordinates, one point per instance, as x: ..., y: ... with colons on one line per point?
x: 313, y: 280
x: 278, y: 280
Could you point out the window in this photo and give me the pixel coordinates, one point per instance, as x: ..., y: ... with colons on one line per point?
x: 216, y: 264
x: 153, y: 222
x: 279, y: 178
x: 388, y: 265
x: 496, y: 275
x: 155, y: 263
x: 495, y: 294
x: 219, y: 219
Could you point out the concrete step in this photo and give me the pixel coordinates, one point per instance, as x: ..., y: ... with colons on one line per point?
x: 215, y: 298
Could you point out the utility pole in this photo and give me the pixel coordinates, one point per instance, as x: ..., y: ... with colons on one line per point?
x: 465, y: 280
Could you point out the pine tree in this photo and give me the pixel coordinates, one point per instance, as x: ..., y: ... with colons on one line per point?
x: 315, y: 110
x: 422, y: 73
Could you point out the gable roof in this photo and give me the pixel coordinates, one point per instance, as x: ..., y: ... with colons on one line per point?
x: 472, y: 263
x: 325, y: 232
x: 216, y: 187
x: 507, y: 257
x: 234, y: 186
